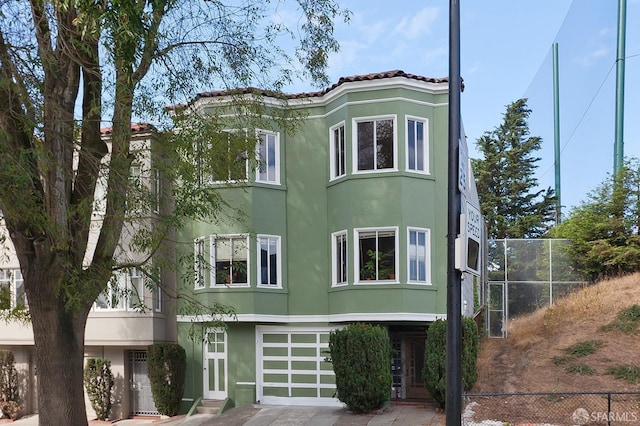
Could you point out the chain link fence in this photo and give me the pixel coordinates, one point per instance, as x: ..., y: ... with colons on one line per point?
x: 524, y: 275
x: 569, y: 408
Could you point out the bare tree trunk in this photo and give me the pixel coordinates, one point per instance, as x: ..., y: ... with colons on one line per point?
x: 59, y: 354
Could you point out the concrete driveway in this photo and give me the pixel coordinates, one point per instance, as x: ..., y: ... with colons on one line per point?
x: 257, y: 415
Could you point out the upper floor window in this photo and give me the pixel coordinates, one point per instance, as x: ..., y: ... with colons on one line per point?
x: 125, y: 291
x: 231, y: 260
x: 230, y: 163
x: 417, y: 146
x: 375, y: 144
x: 418, y: 254
x: 12, y: 292
x: 339, y: 256
x: 269, y: 261
x: 376, y: 254
x: 201, y: 262
x: 269, y: 157
x: 338, y: 151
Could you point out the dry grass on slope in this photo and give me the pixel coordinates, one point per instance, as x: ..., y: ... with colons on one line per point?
x: 536, y: 358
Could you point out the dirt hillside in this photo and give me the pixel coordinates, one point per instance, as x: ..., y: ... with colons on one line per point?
x: 564, y: 348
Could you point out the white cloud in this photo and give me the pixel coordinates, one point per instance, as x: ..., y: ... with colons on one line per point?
x: 413, y: 27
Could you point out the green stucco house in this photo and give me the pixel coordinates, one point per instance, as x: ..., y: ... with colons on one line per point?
x: 343, y: 221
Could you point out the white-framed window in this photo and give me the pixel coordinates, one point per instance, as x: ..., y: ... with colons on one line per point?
x: 338, y: 151
x: 231, y: 162
x: 231, y: 256
x: 374, y: 144
x: 419, y: 255
x: 12, y: 289
x: 201, y: 262
x: 269, y: 261
x: 339, y: 244
x: 157, y: 190
x: 376, y: 254
x: 125, y: 292
x: 417, y: 145
x: 157, y: 292
x: 268, y: 155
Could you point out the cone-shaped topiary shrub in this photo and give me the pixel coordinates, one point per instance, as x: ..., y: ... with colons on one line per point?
x: 167, y: 364
x: 435, y: 357
x: 98, y: 382
x: 361, y: 357
x: 10, y: 406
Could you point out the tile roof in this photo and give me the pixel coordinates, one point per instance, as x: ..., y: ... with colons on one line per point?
x: 135, y: 127
x: 342, y: 80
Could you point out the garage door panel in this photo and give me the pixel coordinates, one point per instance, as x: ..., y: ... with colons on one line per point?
x: 291, y: 366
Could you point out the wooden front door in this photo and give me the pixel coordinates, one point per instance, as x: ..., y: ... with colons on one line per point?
x: 414, y: 362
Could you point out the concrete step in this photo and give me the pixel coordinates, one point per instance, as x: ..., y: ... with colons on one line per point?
x: 209, y: 406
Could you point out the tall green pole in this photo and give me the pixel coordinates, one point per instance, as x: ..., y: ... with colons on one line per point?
x: 556, y: 130
x: 618, y: 156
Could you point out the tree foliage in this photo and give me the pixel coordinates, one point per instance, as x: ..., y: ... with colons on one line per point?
x: 605, y: 229
x: 361, y: 356
x: 69, y: 67
x: 512, y: 205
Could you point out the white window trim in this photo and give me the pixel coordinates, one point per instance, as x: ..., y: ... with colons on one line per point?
x: 332, y: 151
x: 427, y: 255
x: 426, y: 170
x: 259, y: 134
x: 354, y: 143
x: 259, y: 262
x: 213, y: 261
x: 356, y: 256
x: 334, y: 252
x: 121, y: 282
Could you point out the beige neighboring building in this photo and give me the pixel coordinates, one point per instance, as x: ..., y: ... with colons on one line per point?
x: 116, y: 329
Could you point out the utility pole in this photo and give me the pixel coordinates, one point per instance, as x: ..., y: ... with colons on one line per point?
x: 556, y: 130
x: 618, y: 151
x: 453, y: 393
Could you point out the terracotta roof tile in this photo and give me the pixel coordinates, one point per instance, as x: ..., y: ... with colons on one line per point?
x: 135, y: 127
x: 342, y: 80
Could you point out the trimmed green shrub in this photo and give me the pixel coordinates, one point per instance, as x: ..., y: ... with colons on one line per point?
x: 98, y: 382
x: 9, y: 399
x: 361, y: 358
x: 470, y: 349
x: 167, y: 364
x: 435, y: 357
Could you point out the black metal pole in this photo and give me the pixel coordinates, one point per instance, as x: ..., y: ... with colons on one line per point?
x: 453, y: 396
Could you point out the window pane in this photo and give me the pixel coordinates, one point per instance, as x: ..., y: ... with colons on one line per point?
x: 269, y: 261
x: 411, y: 144
x: 339, y: 151
x: 384, y: 144
x: 377, y: 255
x: 418, y: 256
x: 420, y: 146
x: 341, y: 259
x: 366, y: 153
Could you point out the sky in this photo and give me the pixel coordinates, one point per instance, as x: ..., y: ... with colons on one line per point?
x: 505, y: 55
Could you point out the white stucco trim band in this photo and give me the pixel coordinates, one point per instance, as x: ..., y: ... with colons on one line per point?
x: 333, y: 318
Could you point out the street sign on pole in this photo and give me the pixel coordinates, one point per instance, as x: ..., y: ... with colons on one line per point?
x: 468, y: 242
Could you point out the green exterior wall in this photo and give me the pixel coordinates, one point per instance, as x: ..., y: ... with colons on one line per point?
x: 307, y: 207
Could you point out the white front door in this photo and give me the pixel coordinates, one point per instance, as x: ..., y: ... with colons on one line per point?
x: 215, y: 364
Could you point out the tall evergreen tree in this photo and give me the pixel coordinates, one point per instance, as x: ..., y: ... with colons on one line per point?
x: 509, y: 199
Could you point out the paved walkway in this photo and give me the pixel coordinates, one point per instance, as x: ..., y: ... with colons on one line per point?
x: 256, y: 415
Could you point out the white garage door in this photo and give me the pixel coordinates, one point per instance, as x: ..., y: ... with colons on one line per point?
x: 291, y: 366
